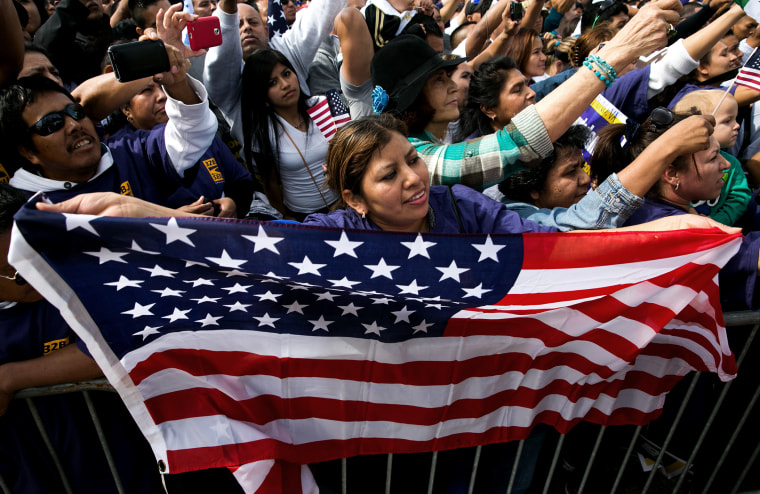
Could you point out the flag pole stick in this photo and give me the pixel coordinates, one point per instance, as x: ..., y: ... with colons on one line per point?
x: 729, y: 87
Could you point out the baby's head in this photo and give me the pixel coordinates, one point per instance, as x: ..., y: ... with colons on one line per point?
x: 726, y: 127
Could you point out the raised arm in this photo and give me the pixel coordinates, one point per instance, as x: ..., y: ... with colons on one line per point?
x: 102, y: 95
x: 478, y: 37
x: 645, y: 32
x: 448, y: 10
x: 532, y: 13
x: 686, y: 137
x: 301, y: 42
x: 224, y: 63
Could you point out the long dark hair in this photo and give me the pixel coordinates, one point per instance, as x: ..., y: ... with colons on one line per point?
x: 486, y: 85
x: 258, y: 116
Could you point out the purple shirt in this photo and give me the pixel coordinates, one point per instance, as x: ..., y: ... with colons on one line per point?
x: 478, y: 214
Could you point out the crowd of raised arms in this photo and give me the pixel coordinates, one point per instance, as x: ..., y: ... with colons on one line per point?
x: 465, y: 117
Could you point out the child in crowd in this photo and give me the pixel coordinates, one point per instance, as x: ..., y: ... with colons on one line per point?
x: 732, y: 202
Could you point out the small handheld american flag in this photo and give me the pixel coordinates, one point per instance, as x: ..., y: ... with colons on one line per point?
x: 329, y: 114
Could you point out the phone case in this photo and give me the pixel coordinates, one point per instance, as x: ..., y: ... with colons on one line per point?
x: 204, y: 32
x: 138, y: 59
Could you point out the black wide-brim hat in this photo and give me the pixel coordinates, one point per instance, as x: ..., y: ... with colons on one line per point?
x: 403, y: 66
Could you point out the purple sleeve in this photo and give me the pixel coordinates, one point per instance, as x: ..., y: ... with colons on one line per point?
x: 629, y: 93
x: 481, y: 214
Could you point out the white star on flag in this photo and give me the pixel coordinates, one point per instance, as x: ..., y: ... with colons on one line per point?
x: 174, y: 232
x: 452, y: 271
x: 80, y: 221
x: 306, y: 266
x: 209, y: 320
x: 237, y: 306
x: 402, y: 315
x: 373, y: 328
x: 419, y: 247
x: 157, y: 270
x: 268, y: 296
x: 478, y: 291
x: 321, y: 324
x: 237, y: 288
x: 226, y: 261
x: 344, y: 283
x: 343, y: 246
x: 295, y: 307
x: 169, y: 292
x: 326, y: 296
x: 262, y: 241
x: 147, y: 332
x: 104, y: 255
x: 422, y: 327
x: 125, y: 282
x: 266, y: 320
x: 139, y: 310
x: 411, y: 288
x: 381, y: 269
x: 177, y: 315
x: 488, y: 250
x: 199, y: 282
x: 350, y: 309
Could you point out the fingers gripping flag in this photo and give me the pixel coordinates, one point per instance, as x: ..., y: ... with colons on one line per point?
x: 284, y: 345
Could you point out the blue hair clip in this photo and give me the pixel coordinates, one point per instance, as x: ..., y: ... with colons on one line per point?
x: 379, y: 99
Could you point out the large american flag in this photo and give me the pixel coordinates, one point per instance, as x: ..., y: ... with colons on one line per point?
x: 329, y: 113
x: 267, y: 346
x: 749, y: 75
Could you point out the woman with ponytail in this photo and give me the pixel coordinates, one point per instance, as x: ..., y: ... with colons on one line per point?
x: 691, y: 173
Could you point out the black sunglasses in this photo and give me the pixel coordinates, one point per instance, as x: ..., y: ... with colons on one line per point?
x: 53, y: 122
x: 661, y: 117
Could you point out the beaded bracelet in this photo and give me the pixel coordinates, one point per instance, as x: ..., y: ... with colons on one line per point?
x: 597, y: 73
x: 602, y: 64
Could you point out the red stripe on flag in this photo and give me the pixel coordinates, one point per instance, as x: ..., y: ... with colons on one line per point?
x: 551, y: 251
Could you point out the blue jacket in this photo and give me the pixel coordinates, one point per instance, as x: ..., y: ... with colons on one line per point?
x: 608, y: 206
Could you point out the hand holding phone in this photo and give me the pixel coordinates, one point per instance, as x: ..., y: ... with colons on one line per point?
x: 204, y: 32
x: 131, y: 61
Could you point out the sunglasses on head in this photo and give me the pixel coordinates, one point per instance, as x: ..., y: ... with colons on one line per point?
x: 53, y: 122
x: 661, y: 117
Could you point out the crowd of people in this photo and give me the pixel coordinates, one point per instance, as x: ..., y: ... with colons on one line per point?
x: 465, y: 117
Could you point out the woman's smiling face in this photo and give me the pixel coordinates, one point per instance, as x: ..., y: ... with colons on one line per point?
x: 395, y: 188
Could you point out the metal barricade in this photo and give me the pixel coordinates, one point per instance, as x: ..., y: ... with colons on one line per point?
x: 547, y: 481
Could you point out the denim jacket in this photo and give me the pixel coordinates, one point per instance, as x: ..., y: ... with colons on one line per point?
x: 607, y: 206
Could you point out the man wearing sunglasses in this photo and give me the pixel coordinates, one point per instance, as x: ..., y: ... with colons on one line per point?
x: 58, y: 149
